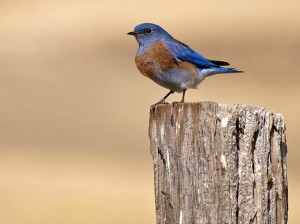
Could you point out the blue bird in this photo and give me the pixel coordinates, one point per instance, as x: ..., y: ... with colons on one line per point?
x: 171, y: 63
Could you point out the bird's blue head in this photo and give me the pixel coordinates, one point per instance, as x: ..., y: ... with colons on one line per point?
x: 148, y: 33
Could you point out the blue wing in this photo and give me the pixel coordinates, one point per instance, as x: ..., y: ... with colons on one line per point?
x: 182, y: 52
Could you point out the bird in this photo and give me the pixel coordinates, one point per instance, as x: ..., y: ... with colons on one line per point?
x: 171, y: 63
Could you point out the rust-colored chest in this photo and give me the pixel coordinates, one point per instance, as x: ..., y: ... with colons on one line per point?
x: 154, y: 60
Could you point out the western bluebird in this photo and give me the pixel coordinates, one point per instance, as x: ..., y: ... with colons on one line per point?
x: 171, y: 63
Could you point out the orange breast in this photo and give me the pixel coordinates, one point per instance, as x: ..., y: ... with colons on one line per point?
x: 157, y: 57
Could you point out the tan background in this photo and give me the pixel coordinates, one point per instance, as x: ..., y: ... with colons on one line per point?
x: 74, y: 109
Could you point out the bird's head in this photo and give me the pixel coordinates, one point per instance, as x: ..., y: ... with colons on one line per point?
x: 148, y: 33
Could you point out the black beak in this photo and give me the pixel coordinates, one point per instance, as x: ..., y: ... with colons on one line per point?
x: 132, y: 33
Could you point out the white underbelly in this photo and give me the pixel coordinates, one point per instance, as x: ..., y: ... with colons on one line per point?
x: 176, y: 80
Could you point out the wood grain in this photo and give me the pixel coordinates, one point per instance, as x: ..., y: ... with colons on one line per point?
x: 217, y: 163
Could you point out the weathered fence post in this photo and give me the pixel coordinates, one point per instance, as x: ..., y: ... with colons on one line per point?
x: 217, y: 163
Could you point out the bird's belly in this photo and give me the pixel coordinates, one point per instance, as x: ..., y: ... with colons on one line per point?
x: 176, y: 80
x: 158, y: 64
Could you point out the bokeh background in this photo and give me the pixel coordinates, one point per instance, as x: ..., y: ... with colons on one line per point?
x: 74, y: 109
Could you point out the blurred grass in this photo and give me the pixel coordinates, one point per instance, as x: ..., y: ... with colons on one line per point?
x: 74, y: 109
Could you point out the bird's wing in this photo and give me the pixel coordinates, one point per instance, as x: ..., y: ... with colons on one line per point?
x: 219, y: 63
x: 182, y: 52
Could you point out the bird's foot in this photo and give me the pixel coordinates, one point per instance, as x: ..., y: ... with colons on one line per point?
x: 158, y: 103
x: 177, y: 102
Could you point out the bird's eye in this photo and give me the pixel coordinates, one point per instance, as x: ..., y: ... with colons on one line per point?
x: 148, y: 31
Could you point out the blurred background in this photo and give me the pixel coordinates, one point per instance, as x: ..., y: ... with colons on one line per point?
x: 74, y: 109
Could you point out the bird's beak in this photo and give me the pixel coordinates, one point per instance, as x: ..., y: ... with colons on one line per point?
x: 132, y: 33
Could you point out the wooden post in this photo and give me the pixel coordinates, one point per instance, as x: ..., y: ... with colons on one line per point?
x: 216, y: 163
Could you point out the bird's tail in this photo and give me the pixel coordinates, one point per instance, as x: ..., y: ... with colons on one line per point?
x: 212, y: 71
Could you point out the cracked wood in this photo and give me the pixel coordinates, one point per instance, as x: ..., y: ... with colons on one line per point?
x: 217, y: 163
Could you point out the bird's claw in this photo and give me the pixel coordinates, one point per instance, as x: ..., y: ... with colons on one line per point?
x: 177, y: 102
x: 158, y: 103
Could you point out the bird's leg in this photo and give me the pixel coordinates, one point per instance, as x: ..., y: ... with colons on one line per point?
x: 183, y: 95
x: 162, y: 101
x: 182, y: 100
x: 165, y: 97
